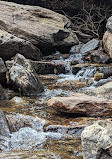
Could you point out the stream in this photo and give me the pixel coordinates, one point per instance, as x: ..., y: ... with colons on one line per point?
x: 38, y: 131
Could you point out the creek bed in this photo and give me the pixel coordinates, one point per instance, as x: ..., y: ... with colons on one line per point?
x: 68, y: 147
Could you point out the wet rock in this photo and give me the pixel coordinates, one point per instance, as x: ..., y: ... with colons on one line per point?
x: 45, y: 67
x: 3, y: 70
x: 3, y: 94
x: 82, y: 104
x: 44, y: 28
x: 66, y: 130
x: 104, y: 91
x: 106, y: 70
x: 4, y: 127
x: 97, y: 140
x: 26, y: 139
x: 24, y: 78
x: 19, y: 121
x: 98, y: 76
x: 10, y: 45
x: 91, y: 45
x: 102, y: 82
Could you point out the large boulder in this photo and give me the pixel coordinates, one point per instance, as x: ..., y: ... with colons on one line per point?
x: 82, y: 104
x: 97, y: 140
x: 45, y: 29
x: 24, y: 78
x: 10, y: 45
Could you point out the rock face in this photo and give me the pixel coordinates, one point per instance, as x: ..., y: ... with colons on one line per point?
x: 3, y: 70
x: 10, y: 45
x: 23, y: 77
x: 82, y: 104
x: 97, y: 140
x: 45, y: 29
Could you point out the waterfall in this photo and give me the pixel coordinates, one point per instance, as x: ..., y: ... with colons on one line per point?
x: 86, y: 72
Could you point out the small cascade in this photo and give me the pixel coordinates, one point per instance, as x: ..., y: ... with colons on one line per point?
x: 86, y: 72
x: 68, y: 64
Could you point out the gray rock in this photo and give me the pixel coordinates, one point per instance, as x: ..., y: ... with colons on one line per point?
x: 76, y: 48
x: 19, y: 121
x: 97, y: 140
x: 91, y: 45
x: 4, y: 127
x: 24, y: 78
x: 102, y: 82
x: 10, y: 45
x: 45, y: 29
x: 3, y: 70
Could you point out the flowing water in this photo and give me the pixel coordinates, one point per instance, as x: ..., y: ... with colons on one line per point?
x: 38, y: 131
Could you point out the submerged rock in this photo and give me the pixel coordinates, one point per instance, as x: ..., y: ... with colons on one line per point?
x: 24, y: 78
x: 82, y: 104
x: 10, y: 45
x: 97, y: 140
x: 45, y: 29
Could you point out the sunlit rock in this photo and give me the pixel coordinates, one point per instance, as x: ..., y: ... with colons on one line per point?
x: 97, y: 140
x: 45, y: 29
x: 82, y: 104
